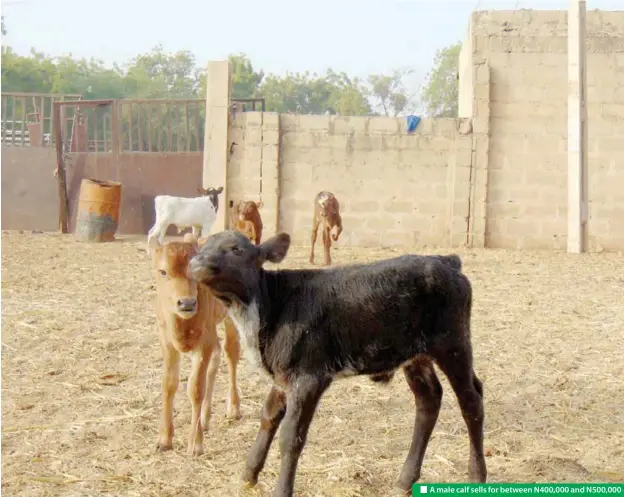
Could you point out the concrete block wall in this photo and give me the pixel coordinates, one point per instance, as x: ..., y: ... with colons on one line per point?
x: 253, y: 165
x: 526, y: 52
x: 496, y: 177
x: 394, y: 188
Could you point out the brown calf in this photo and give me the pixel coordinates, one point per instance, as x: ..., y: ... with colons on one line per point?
x: 187, y: 316
x: 247, y: 228
x: 326, y: 215
x: 249, y: 211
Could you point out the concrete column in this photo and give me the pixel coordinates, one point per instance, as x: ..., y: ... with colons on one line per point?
x: 577, y: 128
x: 477, y: 224
x: 216, y: 147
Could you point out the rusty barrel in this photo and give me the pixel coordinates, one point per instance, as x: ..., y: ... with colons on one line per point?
x: 98, y: 210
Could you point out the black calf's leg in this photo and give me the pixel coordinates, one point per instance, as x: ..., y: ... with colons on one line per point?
x: 423, y: 381
x: 457, y: 366
x: 272, y: 414
x: 301, y: 403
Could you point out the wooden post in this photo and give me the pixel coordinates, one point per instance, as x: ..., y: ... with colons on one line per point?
x: 60, y: 165
x: 578, y: 209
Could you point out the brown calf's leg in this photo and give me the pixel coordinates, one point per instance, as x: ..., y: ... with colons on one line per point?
x: 423, y: 381
x: 272, y: 414
x: 232, y: 355
x: 170, y: 381
x: 196, y: 390
x: 315, y: 227
x: 457, y: 366
x: 301, y: 404
x: 327, y: 245
x: 211, y: 376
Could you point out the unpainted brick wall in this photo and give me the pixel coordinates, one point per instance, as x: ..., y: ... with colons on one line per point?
x: 253, y: 167
x: 394, y: 188
x: 527, y: 168
x: 506, y: 170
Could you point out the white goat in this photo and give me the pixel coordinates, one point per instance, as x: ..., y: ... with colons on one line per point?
x: 196, y: 213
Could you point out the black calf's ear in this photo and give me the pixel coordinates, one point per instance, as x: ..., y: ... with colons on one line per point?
x: 275, y: 248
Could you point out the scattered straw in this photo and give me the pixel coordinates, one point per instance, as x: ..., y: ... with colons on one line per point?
x: 81, y: 382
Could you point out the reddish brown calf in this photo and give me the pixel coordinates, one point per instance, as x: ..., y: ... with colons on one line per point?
x: 326, y: 215
x: 250, y: 211
x: 187, y: 316
x: 247, y: 228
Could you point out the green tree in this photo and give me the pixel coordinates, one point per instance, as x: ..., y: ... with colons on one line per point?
x: 245, y: 79
x: 441, y: 92
x: 348, y: 96
x: 158, y: 74
x: 32, y: 73
x: 89, y: 78
x: 390, y: 93
x: 305, y: 93
x: 292, y: 92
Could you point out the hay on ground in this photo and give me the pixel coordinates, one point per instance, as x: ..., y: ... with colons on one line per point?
x: 81, y: 382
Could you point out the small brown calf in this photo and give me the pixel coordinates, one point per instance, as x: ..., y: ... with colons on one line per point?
x: 187, y: 316
x: 247, y: 228
x: 249, y: 211
x: 326, y: 215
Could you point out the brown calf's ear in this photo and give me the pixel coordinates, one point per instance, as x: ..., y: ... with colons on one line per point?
x: 275, y: 248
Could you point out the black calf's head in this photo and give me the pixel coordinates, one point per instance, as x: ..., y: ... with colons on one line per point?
x: 230, y: 264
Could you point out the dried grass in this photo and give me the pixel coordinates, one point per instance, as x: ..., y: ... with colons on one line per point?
x: 81, y: 382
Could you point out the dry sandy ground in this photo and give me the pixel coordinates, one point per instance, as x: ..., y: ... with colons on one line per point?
x: 81, y: 382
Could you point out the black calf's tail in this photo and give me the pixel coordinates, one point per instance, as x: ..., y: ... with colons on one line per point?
x: 454, y: 261
x: 451, y: 260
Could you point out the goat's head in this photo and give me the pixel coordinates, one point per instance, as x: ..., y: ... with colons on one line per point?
x: 175, y: 289
x: 213, y: 193
x: 230, y: 264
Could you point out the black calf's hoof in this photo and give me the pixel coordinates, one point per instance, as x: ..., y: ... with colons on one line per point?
x: 400, y: 491
x: 249, y: 479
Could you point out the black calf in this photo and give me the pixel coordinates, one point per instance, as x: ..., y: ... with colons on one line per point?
x: 308, y: 327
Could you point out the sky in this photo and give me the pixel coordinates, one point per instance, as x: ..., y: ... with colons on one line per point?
x: 359, y: 37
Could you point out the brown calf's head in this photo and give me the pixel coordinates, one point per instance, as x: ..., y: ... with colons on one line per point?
x: 230, y: 265
x: 247, y: 209
x: 169, y: 264
x: 336, y: 230
x: 213, y: 193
